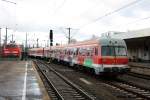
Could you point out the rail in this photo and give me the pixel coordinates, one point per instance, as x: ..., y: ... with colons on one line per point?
x: 64, y: 88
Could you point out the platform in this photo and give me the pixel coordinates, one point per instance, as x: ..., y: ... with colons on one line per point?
x: 141, y: 68
x: 139, y: 64
x: 20, y: 81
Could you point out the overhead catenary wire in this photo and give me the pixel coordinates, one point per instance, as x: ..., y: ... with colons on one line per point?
x: 135, y: 21
x: 10, y: 2
x: 110, y: 13
x: 60, y: 6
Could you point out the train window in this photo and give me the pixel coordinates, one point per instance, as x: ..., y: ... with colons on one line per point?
x: 71, y: 51
x: 67, y: 52
x: 96, y: 51
x: 89, y: 51
x: 80, y: 51
x: 74, y: 53
x: 120, y: 51
x: 108, y: 51
x: 88, y: 54
x: 86, y: 51
x: 77, y: 51
x: 64, y: 51
x: 113, y: 51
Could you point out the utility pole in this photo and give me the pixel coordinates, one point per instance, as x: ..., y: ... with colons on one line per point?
x: 37, y: 45
x: 69, y: 37
x: 0, y: 43
x: 26, y: 43
x: 6, y: 37
x: 47, y: 43
x: 33, y: 46
x: 12, y: 38
x: 0, y: 38
x: 26, y: 48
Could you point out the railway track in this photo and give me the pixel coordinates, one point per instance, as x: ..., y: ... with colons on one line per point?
x: 59, y: 87
x: 137, y: 66
x: 138, y: 75
x: 130, y: 91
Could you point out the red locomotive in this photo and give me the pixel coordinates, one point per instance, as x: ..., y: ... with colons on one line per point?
x: 11, y: 49
x: 105, y: 55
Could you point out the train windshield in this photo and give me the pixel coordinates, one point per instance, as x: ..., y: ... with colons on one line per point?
x: 113, y: 51
x: 108, y: 51
x: 120, y: 51
x: 11, y: 46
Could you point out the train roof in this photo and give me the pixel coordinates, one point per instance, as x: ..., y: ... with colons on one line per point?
x: 111, y: 41
x: 11, y: 44
x: 133, y: 34
x: 99, y: 41
x: 33, y: 49
x: 93, y: 42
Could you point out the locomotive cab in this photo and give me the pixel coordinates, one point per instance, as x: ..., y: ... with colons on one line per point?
x: 11, y: 50
x: 114, y: 56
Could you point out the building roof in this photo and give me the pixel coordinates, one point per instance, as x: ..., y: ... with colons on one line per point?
x: 133, y: 34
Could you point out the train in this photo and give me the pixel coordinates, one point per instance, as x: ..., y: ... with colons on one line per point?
x: 100, y: 56
x: 11, y: 50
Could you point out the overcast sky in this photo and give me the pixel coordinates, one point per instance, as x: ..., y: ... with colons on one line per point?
x: 85, y: 17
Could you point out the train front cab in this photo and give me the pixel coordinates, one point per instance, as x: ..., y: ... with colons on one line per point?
x: 11, y: 51
x: 114, y: 58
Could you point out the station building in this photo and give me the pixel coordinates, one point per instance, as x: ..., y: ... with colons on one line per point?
x: 138, y: 44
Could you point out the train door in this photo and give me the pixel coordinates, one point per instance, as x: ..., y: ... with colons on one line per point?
x: 81, y: 56
x: 88, y: 59
x: 97, y: 64
x: 73, y: 56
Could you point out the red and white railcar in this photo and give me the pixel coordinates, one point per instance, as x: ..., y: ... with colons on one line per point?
x: 36, y: 52
x: 105, y: 55
x: 11, y: 49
